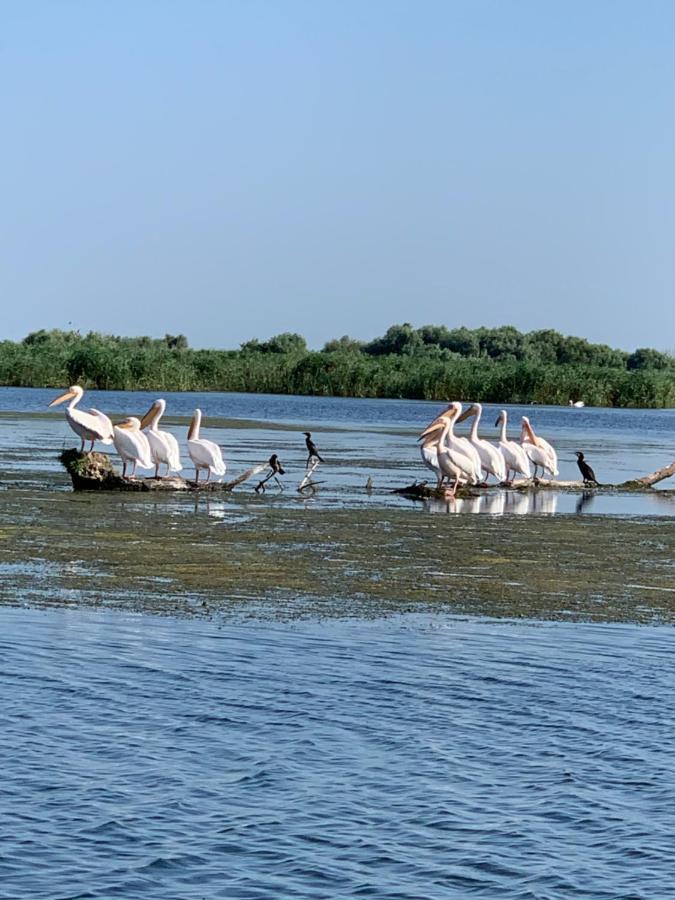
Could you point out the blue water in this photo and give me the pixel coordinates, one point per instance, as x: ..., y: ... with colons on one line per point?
x: 360, y: 439
x: 409, y: 757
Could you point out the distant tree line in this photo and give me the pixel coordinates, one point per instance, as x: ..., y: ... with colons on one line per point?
x: 500, y: 365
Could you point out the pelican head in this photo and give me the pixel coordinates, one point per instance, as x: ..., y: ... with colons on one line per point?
x: 501, y: 417
x: 130, y: 424
x: 74, y: 391
x: 155, y: 412
x: 439, y: 423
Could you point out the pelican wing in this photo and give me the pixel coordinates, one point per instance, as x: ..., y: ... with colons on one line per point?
x: 174, y: 452
x: 515, y: 457
x: 491, y: 459
x: 91, y: 425
x: 133, y: 446
x: 206, y: 454
x: 106, y: 425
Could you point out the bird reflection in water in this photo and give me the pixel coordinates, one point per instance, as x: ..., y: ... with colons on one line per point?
x: 516, y: 503
x: 455, y: 505
x: 544, y: 503
x: 584, y: 501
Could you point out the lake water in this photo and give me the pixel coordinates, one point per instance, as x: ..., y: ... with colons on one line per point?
x: 278, y: 719
x: 416, y: 756
x: 360, y: 439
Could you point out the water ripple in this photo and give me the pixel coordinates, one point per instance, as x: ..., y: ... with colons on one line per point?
x: 417, y: 757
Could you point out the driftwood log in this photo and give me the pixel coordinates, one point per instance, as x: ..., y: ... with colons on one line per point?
x: 422, y: 491
x: 95, y: 472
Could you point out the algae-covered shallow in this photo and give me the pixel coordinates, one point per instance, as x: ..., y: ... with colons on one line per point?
x: 234, y: 556
x: 345, y: 550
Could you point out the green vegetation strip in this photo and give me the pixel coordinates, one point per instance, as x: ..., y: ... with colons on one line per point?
x: 494, y: 365
x: 174, y: 557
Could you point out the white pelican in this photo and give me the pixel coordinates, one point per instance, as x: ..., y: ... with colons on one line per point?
x: 539, y: 451
x: 514, y: 456
x: 90, y: 425
x: 429, y: 454
x: 132, y: 445
x: 204, y: 454
x: 491, y: 460
x: 163, y: 445
x: 458, y: 442
x: 452, y: 459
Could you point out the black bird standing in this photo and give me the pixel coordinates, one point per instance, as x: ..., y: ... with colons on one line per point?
x: 311, y: 448
x: 275, y: 465
x: 275, y: 469
x: 586, y: 472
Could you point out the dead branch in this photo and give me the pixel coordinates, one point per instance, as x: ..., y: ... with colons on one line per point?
x: 307, y: 482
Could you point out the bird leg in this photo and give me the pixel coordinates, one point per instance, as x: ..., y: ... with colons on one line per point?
x: 196, y: 475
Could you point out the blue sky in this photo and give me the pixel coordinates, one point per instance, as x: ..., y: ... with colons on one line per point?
x: 236, y: 169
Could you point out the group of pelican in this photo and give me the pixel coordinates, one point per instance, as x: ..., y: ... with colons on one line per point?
x: 472, y: 460
x: 139, y: 442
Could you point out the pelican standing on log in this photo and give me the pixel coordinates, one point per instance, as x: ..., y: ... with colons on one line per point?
x: 204, y: 454
x: 539, y: 451
x: 429, y: 454
x: 89, y: 425
x: 457, y: 443
x: 453, y: 460
x: 163, y: 445
x: 491, y: 460
x: 517, y: 461
x: 132, y: 445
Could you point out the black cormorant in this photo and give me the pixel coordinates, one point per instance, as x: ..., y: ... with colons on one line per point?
x: 275, y: 465
x: 275, y: 469
x: 311, y: 448
x: 586, y: 472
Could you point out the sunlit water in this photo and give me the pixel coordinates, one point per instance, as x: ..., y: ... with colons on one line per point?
x: 360, y: 439
x: 409, y: 757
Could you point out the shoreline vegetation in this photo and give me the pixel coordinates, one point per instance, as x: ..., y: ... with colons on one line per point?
x: 491, y: 365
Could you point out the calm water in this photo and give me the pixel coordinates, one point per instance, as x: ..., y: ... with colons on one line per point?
x: 410, y: 757
x: 360, y: 439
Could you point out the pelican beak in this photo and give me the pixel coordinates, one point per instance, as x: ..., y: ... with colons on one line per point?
x: 67, y: 396
x: 499, y: 418
x: 465, y: 415
x: 124, y: 424
x: 436, y: 425
x: 148, y: 417
x: 191, y: 429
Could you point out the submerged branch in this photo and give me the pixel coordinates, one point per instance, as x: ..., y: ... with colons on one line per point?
x: 422, y: 491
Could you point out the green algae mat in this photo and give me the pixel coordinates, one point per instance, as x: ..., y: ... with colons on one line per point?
x: 200, y: 558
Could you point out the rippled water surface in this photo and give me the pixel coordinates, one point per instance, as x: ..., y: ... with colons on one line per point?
x: 360, y: 440
x: 407, y: 757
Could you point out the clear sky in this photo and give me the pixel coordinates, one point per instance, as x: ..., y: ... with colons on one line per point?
x: 236, y: 168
